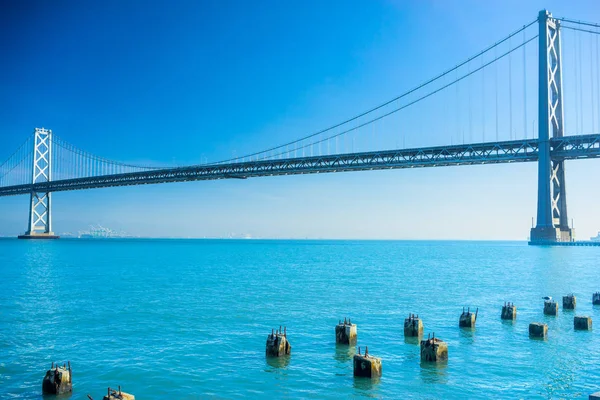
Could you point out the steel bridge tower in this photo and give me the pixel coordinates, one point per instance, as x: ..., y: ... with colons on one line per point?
x: 40, y: 217
x: 552, y: 222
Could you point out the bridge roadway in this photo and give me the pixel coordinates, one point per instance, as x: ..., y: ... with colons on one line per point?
x: 524, y: 150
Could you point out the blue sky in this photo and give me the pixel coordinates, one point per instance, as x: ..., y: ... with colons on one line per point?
x: 175, y: 83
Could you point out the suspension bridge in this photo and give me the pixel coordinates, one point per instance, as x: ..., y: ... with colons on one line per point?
x: 46, y: 163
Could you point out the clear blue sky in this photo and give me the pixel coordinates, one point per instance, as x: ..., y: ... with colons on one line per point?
x: 174, y: 83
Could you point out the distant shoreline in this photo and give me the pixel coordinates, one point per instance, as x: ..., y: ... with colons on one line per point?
x: 280, y: 239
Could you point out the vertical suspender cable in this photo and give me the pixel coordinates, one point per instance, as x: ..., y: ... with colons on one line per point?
x: 496, y: 87
x: 470, y: 108
x: 592, y: 87
x: 580, y: 83
x: 404, y: 138
x: 598, y: 82
x: 17, y: 174
x: 524, y: 87
x: 22, y: 165
x: 321, y: 145
x: 9, y: 175
x: 22, y: 168
x: 458, y: 107
x: 483, y: 101
x: 20, y: 173
x: 510, y: 129
x: 381, y: 135
x: 396, y: 136
x: 18, y: 178
x: 576, y: 85
x: 374, y: 140
x: 400, y: 130
x: 337, y: 151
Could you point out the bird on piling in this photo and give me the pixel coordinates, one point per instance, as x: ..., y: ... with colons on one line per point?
x: 547, y: 298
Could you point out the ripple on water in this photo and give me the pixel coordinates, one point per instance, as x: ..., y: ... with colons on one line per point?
x: 189, y: 318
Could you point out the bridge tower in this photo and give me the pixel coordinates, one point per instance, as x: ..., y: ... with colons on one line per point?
x: 40, y: 217
x: 552, y: 222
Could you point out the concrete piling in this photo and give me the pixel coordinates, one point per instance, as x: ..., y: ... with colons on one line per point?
x: 467, y: 318
x: 594, y: 396
x: 582, y: 323
x: 538, y: 330
x: 58, y: 380
x: 413, y: 326
x: 366, y: 365
x: 117, y: 395
x: 509, y: 311
x: 433, y: 349
x: 345, y: 332
x: 569, y: 302
x: 596, y: 299
x: 550, y: 307
x: 277, y: 344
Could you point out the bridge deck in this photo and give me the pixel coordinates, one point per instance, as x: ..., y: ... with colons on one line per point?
x: 524, y: 150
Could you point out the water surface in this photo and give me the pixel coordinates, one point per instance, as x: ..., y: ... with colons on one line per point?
x: 189, y: 319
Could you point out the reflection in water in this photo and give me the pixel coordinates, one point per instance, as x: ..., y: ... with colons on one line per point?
x: 434, y: 372
x: 367, y: 387
x: 344, y: 353
x: 56, y: 396
x: 539, y: 339
x: 413, y: 340
x: 277, y: 363
x: 468, y: 334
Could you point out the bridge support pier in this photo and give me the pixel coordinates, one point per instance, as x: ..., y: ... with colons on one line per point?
x: 40, y: 217
x: 552, y: 222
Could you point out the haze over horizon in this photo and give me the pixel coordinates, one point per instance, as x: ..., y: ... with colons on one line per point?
x: 194, y: 82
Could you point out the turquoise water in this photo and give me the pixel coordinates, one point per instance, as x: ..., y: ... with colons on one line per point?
x: 189, y: 318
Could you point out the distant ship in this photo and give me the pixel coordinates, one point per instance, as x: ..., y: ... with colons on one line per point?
x: 100, y: 232
x: 596, y: 238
